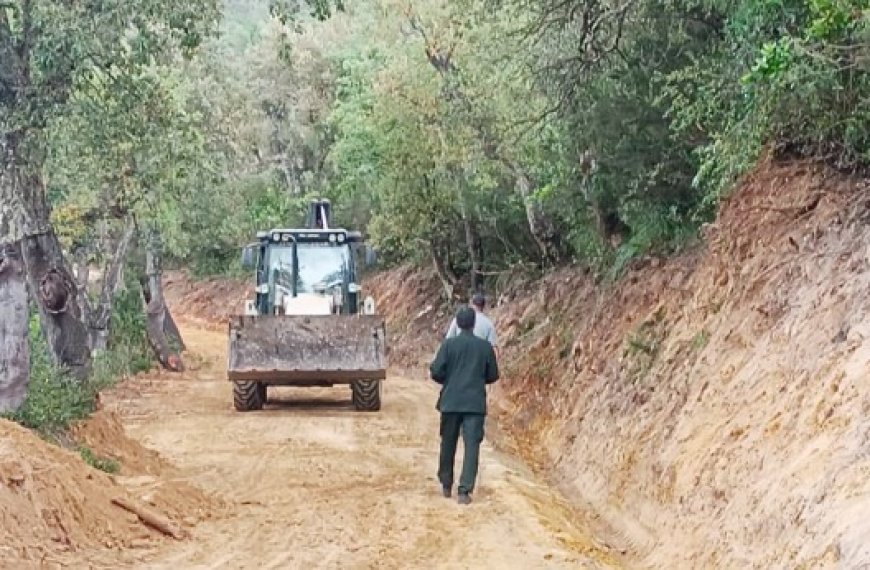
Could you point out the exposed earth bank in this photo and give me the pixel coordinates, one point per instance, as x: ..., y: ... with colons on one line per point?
x: 713, y: 407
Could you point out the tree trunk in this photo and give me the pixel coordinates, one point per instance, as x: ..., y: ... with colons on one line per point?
x: 472, y: 244
x: 541, y: 226
x: 82, y: 272
x: 101, y: 316
x: 14, y: 314
x: 166, y: 346
x: 170, y: 329
x: 52, y: 286
x: 14, y: 321
x: 25, y: 225
x: 151, y: 518
x: 448, y: 281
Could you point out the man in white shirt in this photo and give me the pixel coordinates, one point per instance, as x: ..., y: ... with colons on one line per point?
x: 483, y: 327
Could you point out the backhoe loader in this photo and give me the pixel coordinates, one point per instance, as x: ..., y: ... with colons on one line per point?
x: 308, y: 324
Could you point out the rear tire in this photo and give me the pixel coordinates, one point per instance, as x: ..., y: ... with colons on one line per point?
x: 366, y: 395
x: 249, y: 396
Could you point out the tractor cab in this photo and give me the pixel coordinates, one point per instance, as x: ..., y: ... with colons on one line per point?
x: 306, y: 271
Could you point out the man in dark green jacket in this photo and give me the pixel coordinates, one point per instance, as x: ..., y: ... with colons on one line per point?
x: 464, y: 365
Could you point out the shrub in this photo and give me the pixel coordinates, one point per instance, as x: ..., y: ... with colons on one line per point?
x: 54, y: 398
x: 102, y: 463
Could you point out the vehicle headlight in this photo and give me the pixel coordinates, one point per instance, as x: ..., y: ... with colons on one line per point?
x: 369, y: 305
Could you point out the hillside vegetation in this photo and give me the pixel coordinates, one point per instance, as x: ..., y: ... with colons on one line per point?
x: 477, y: 135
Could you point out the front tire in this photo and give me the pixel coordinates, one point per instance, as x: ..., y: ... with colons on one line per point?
x: 249, y: 396
x: 366, y: 395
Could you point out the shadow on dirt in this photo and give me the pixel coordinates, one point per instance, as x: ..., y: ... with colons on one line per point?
x: 316, y: 405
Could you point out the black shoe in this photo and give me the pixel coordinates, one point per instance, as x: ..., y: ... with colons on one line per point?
x: 446, y: 492
x: 464, y: 499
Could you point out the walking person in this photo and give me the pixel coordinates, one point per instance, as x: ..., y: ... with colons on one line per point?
x: 483, y: 327
x: 464, y: 365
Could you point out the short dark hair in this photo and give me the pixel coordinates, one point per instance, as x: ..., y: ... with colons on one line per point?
x: 478, y: 300
x: 465, y: 318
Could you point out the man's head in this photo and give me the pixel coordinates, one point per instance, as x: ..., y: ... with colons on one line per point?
x: 478, y: 301
x: 465, y: 319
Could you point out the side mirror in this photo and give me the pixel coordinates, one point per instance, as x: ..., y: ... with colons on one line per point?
x: 248, y: 257
x: 371, y: 256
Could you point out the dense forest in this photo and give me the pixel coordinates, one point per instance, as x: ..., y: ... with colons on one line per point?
x: 473, y: 136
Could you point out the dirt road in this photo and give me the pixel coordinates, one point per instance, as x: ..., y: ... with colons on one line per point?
x: 312, y: 484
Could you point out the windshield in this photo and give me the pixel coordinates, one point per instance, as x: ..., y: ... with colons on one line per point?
x: 320, y: 266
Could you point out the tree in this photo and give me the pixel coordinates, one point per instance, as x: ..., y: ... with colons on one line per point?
x: 14, y: 347
x: 51, y: 52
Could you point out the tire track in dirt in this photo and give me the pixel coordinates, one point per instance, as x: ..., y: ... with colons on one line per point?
x: 312, y: 483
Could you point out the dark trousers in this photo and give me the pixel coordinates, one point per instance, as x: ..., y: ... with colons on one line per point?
x: 471, y: 426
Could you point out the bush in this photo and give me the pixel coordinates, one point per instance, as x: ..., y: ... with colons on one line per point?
x: 129, y: 352
x: 789, y: 74
x: 54, y: 398
x: 102, y: 463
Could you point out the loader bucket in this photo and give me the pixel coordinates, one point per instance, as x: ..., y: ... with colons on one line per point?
x: 302, y: 349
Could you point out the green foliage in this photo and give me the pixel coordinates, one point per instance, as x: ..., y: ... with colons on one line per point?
x: 128, y: 350
x: 102, y: 463
x: 700, y: 340
x: 424, y: 149
x: 788, y: 73
x: 52, y: 48
x: 454, y: 130
x: 668, y: 103
x: 290, y: 10
x: 639, y: 345
x: 54, y: 399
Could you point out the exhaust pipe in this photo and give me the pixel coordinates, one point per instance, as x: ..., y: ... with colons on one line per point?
x: 319, y: 214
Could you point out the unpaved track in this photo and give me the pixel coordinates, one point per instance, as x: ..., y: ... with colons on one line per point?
x: 310, y: 483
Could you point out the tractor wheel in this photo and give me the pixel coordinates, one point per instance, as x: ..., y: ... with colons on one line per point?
x: 366, y: 395
x: 248, y: 396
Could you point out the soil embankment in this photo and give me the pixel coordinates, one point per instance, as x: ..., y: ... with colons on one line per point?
x: 56, y: 511
x: 712, y: 408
